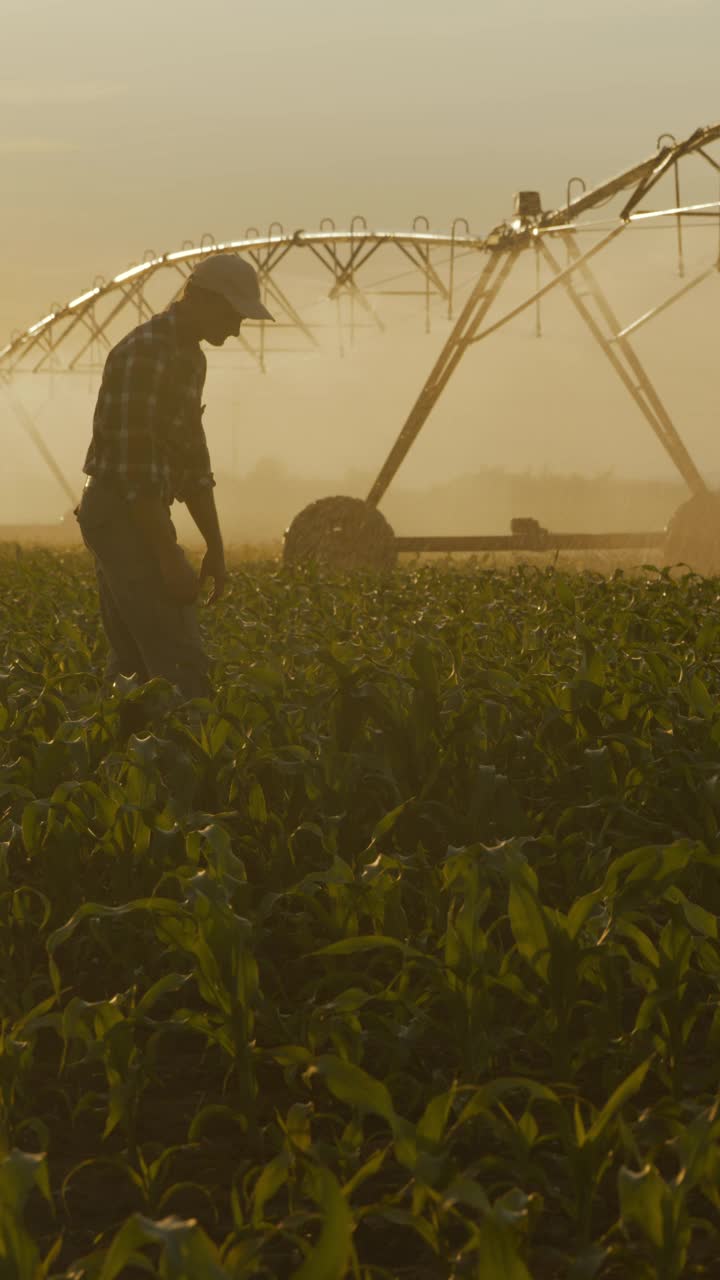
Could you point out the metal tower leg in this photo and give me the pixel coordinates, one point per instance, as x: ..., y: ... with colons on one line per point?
x: 493, y: 277
x: 628, y: 368
x: 26, y: 422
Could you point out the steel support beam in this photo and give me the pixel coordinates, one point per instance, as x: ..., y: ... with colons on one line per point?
x: 26, y: 422
x: 625, y: 362
x: 129, y: 296
x: 520, y: 542
x: 637, y: 176
x: 84, y: 317
x: 533, y: 298
x: 492, y: 278
x: 462, y: 336
x: 663, y: 306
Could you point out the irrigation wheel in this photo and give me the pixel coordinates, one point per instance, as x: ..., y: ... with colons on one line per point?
x: 693, y: 534
x: 344, y: 533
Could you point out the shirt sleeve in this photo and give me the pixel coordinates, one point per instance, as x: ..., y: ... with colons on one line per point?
x: 197, y: 470
x: 186, y: 437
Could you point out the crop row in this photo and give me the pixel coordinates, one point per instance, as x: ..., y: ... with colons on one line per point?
x: 398, y: 958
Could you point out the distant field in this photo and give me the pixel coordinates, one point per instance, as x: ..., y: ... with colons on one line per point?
x: 60, y: 534
x: 63, y: 537
x: 66, y: 537
x: 399, y: 959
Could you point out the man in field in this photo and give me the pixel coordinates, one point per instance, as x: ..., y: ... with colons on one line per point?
x: 148, y: 450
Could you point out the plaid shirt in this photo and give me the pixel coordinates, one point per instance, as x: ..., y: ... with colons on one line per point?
x: 148, y: 435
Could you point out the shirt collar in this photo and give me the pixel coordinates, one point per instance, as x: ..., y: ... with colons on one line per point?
x: 176, y: 330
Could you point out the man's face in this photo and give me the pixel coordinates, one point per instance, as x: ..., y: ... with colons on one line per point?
x: 218, y: 320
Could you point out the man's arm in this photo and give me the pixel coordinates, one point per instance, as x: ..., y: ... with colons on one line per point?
x: 200, y: 502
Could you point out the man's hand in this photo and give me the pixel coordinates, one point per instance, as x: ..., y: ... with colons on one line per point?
x: 180, y: 578
x: 213, y: 566
x: 200, y: 503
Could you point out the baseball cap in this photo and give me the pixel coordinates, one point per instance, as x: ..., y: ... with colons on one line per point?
x: 234, y: 278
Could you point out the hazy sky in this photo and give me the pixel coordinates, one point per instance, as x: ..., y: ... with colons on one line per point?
x: 135, y: 126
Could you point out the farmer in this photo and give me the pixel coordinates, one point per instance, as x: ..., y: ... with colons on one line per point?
x: 148, y: 450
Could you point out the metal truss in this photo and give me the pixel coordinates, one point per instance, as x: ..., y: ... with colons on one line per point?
x: 530, y: 231
x: 76, y: 336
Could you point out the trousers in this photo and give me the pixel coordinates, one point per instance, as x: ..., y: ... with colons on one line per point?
x: 148, y: 633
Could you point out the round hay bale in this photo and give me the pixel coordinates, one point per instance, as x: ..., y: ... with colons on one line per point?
x: 692, y: 536
x: 343, y: 533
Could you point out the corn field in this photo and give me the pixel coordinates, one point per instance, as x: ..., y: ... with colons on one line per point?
x: 397, y: 959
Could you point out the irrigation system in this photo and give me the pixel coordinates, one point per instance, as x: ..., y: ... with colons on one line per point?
x: 566, y: 245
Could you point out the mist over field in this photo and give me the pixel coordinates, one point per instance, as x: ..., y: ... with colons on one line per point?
x: 528, y: 425
x: 114, y: 147
x: 260, y: 505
